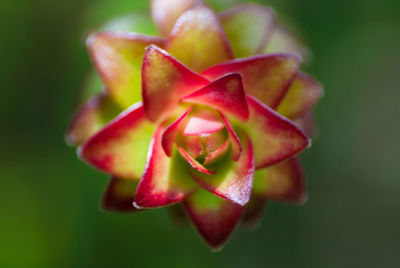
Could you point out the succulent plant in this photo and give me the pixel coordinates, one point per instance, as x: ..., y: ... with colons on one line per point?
x: 181, y: 120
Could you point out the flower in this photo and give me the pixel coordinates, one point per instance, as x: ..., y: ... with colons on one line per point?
x: 181, y: 120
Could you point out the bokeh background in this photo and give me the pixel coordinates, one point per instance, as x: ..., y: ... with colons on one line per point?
x: 49, y: 200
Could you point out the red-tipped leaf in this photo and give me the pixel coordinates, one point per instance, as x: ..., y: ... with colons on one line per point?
x: 120, y: 195
x: 120, y: 147
x: 266, y: 77
x: 165, y: 13
x: 248, y: 27
x: 90, y: 118
x: 214, y: 218
x: 118, y: 57
x: 274, y: 137
x: 283, y: 182
x: 225, y: 94
x: 304, y: 93
x: 198, y: 39
x: 164, y: 82
x: 165, y: 179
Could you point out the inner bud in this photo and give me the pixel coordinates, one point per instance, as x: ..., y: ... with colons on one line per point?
x: 203, y: 133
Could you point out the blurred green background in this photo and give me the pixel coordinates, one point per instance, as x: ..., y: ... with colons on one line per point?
x: 49, y: 200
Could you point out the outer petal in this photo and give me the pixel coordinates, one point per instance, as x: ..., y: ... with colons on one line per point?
x: 119, y: 195
x: 266, y: 77
x: 284, y: 182
x: 248, y: 28
x: 275, y: 138
x: 165, y: 82
x: 254, y: 210
x: 93, y: 115
x: 120, y: 147
x: 283, y: 40
x: 170, y: 133
x: 165, y: 13
x: 198, y: 39
x: 165, y: 180
x: 232, y: 180
x: 304, y: 93
x: 225, y: 94
x: 214, y: 218
x: 118, y: 57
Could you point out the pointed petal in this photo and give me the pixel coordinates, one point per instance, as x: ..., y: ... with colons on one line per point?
x: 284, y: 182
x: 118, y: 57
x: 198, y: 39
x: 232, y: 180
x: 275, y: 138
x: 266, y: 77
x: 225, y: 94
x: 165, y: 13
x: 248, y: 28
x: 120, y: 147
x: 170, y: 133
x: 304, y: 93
x: 283, y: 40
x: 193, y: 163
x: 214, y: 218
x: 203, y: 122
x: 233, y: 137
x: 254, y: 211
x: 119, y: 195
x: 165, y: 82
x: 93, y: 115
x: 165, y: 180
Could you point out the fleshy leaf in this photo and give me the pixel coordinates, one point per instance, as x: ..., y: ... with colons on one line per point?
x: 233, y: 137
x: 165, y: 13
x: 120, y: 147
x: 266, y: 77
x: 119, y: 195
x: 225, y: 94
x: 202, y: 122
x: 275, y: 138
x: 118, y: 57
x: 248, y: 28
x: 301, y: 97
x: 170, y: 133
x: 254, y: 210
x: 232, y: 180
x: 90, y: 118
x: 214, y: 218
x: 165, y: 180
x: 165, y: 82
x: 283, y: 182
x: 193, y: 163
x: 198, y: 39
x: 283, y: 40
